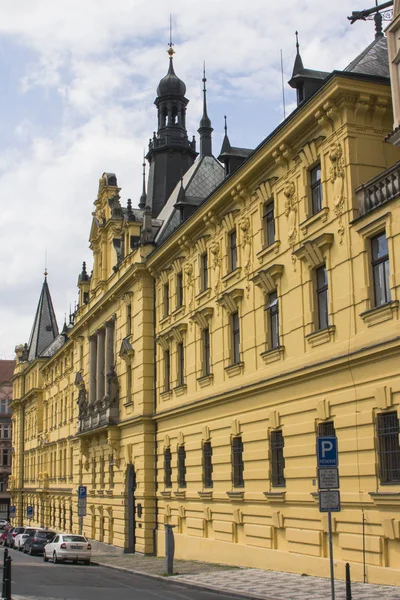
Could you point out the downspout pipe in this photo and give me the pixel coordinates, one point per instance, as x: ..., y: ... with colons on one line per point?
x: 155, y: 529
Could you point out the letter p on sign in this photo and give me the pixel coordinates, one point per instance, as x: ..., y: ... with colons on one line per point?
x: 327, y: 452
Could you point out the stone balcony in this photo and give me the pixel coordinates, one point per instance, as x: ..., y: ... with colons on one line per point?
x: 101, y: 413
x: 379, y: 190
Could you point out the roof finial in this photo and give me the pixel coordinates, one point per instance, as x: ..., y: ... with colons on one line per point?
x: 45, y: 265
x: 170, y: 50
x: 297, y: 43
x: 378, y: 25
x: 225, y: 126
x: 143, y: 197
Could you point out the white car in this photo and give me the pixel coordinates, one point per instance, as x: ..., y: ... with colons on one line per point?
x: 19, y: 539
x: 68, y: 546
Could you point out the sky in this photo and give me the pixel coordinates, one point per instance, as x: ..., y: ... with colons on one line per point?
x: 79, y: 79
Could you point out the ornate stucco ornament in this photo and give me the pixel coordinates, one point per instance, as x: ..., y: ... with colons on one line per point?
x: 188, y: 270
x: 289, y: 191
x: 337, y: 180
x: 216, y: 264
x: 246, y: 245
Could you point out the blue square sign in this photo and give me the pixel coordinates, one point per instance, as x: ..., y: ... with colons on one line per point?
x: 82, y: 492
x: 327, y: 451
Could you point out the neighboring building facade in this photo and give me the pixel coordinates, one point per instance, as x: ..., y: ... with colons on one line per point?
x: 6, y: 372
x: 225, y: 325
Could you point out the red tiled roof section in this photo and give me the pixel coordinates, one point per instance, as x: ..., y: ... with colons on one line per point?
x: 6, y: 369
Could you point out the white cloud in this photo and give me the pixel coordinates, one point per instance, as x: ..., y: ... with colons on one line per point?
x: 104, y: 61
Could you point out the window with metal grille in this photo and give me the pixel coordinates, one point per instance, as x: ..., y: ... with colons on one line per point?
x: 179, y: 289
x: 326, y: 429
x: 380, y: 269
x: 166, y: 299
x: 277, y: 459
x: 233, y: 250
x: 316, y: 189
x: 206, y: 351
x: 269, y: 223
x: 235, y: 338
x: 322, y: 297
x: 167, y: 468
x: 207, y: 465
x: 167, y: 371
x: 237, y: 462
x: 181, y: 466
x: 204, y: 271
x: 388, y: 447
x: 272, y: 308
x: 181, y: 364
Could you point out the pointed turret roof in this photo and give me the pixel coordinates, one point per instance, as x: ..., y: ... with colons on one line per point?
x: 45, y: 328
x: 298, y: 63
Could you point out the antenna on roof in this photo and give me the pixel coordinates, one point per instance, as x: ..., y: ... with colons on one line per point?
x: 283, y: 85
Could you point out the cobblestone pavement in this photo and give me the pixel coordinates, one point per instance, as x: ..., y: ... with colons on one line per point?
x: 251, y: 583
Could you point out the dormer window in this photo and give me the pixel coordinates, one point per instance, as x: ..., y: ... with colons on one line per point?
x: 300, y: 94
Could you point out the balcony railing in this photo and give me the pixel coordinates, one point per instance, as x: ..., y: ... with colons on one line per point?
x: 379, y: 190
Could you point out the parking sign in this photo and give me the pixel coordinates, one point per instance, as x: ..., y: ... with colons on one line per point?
x: 82, y: 492
x: 327, y: 451
x: 12, y: 512
x: 29, y: 512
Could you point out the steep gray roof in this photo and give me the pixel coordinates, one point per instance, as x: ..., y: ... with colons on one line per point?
x: 45, y: 328
x: 198, y: 183
x: 55, y: 345
x: 373, y: 60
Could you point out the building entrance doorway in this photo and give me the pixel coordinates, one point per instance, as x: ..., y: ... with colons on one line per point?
x: 131, y: 487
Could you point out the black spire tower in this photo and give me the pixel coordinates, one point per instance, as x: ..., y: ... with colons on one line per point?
x: 205, y: 130
x: 170, y: 153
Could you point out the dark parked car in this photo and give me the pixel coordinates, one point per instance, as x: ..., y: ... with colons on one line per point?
x: 35, y: 543
x: 11, y: 535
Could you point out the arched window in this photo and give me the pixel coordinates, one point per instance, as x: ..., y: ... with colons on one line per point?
x: 174, y: 115
x: 164, y: 116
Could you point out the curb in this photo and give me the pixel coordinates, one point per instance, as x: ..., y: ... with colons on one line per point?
x: 187, y: 584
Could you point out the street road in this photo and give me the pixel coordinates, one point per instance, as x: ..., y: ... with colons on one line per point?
x: 34, y: 578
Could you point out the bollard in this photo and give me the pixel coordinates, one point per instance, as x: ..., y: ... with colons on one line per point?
x: 5, y: 556
x: 169, y: 549
x: 348, y: 582
x: 6, y: 592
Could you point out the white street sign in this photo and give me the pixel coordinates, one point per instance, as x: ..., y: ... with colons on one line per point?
x: 328, y: 478
x: 329, y: 501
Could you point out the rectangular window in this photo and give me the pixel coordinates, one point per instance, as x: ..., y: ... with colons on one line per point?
x: 181, y: 467
x: 316, y: 189
x: 181, y: 364
x: 277, y: 460
x: 166, y: 299
x: 235, y: 338
x: 3, y: 406
x: 167, y: 468
x: 380, y: 269
x: 232, y: 250
x: 207, y: 465
x: 269, y: 224
x: 322, y: 297
x: 237, y: 462
x: 204, y: 271
x: 272, y: 308
x: 206, y: 351
x: 326, y: 429
x: 128, y: 383
x: 5, y: 457
x: 167, y: 371
x: 179, y: 290
x: 388, y: 447
x: 129, y: 319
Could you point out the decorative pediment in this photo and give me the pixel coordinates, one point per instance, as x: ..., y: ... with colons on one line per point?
x: 309, y: 153
x: 314, y: 252
x: 200, y: 244
x: 126, y: 351
x: 265, y: 189
x: 177, y: 264
x: 164, y: 276
x: 228, y: 220
x: 126, y: 298
x: 231, y: 300
x: 267, y: 279
x: 178, y: 332
x: 163, y: 341
x: 202, y: 317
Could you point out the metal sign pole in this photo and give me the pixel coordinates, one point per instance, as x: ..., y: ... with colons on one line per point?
x: 331, y: 555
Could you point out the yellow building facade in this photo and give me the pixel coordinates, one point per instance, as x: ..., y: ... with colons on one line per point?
x: 198, y: 372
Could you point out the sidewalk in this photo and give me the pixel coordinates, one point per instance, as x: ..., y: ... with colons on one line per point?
x: 247, y: 583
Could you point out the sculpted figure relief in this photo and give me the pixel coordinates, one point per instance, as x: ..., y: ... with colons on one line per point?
x: 188, y: 270
x: 289, y: 191
x: 112, y: 385
x: 215, y: 251
x: 246, y: 243
x: 337, y: 180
